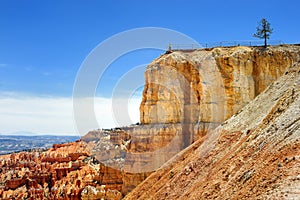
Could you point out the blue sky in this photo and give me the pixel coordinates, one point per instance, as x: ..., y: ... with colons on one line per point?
x: 43, y: 43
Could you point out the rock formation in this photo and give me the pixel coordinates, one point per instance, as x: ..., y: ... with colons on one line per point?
x: 187, y: 94
x: 252, y: 155
x: 209, y: 85
x: 66, y: 171
x: 88, y: 169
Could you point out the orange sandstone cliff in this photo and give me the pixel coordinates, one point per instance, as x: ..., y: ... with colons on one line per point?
x: 209, y: 85
x: 255, y: 154
x: 188, y: 93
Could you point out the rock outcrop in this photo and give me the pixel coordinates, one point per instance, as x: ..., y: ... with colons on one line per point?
x: 92, y: 168
x: 252, y: 155
x: 209, y: 85
x: 66, y: 171
x: 111, y: 148
x: 188, y: 93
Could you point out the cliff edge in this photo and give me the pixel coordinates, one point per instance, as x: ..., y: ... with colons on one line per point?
x: 205, y: 87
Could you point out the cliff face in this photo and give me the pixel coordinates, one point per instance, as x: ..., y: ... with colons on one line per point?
x: 210, y: 85
x: 252, y: 155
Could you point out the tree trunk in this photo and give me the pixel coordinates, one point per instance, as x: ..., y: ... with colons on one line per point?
x: 265, y: 36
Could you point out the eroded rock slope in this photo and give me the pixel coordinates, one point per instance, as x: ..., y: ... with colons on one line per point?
x: 253, y: 155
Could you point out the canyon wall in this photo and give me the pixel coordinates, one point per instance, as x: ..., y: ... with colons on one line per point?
x: 189, y: 93
x: 186, y: 95
x: 210, y: 85
x: 255, y: 154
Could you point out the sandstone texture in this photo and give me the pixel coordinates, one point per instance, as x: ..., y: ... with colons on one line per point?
x: 92, y: 168
x: 66, y: 171
x: 255, y: 154
x: 209, y: 85
x: 112, y: 148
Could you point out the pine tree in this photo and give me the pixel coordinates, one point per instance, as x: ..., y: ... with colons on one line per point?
x: 263, y: 30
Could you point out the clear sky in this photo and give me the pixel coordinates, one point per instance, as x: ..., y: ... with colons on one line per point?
x: 43, y: 43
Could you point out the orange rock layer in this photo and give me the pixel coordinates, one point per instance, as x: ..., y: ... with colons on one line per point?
x: 62, y: 172
x: 253, y: 155
x: 210, y: 85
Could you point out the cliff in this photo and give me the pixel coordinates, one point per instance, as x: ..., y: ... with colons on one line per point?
x: 252, y: 155
x: 209, y: 85
x: 188, y: 93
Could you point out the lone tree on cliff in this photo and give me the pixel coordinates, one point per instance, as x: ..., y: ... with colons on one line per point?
x: 263, y: 30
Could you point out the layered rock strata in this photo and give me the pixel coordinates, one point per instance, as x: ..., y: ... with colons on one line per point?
x: 209, y: 85
x: 252, y: 155
x: 189, y: 93
x: 66, y: 171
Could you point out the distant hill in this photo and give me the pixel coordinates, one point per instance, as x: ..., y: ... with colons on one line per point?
x: 27, y: 133
x: 24, y: 133
x: 28, y: 141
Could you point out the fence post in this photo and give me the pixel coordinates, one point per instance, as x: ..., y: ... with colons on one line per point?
x: 170, y: 47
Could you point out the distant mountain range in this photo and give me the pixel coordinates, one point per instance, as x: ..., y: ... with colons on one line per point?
x: 23, y: 133
x: 27, y: 133
x: 26, y: 141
